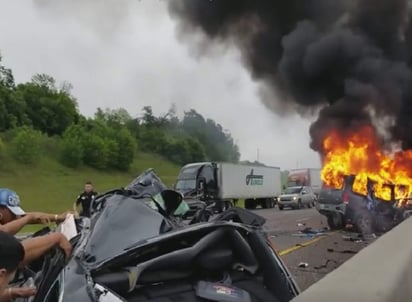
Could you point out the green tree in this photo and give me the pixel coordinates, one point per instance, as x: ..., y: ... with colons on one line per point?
x: 72, y: 146
x: 47, y: 109
x: 26, y: 145
x: 217, y: 142
x: 6, y: 76
x: 96, y: 151
x: 127, y: 147
x: 71, y: 153
x: 115, y: 118
x: 2, y: 148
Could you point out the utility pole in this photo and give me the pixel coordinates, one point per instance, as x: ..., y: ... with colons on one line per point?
x: 257, y: 155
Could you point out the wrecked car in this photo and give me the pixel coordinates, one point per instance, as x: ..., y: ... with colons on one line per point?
x: 133, y: 249
x: 368, y: 215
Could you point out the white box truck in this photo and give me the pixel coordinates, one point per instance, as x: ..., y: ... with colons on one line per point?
x: 305, y: 177
x: 226, y: 183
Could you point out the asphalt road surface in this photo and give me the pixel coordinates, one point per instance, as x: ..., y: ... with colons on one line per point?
x: 322, y: 252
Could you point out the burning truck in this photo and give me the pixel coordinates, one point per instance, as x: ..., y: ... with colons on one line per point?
x: 368, y: 188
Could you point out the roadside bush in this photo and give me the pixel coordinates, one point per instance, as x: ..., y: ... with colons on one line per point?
x: 26, y: 145
x: 71, y: 148
x: 112, y: 153
x: 95, y: 152
x: 127, y: 147
x: 71, y: 152
x: 2, y: 147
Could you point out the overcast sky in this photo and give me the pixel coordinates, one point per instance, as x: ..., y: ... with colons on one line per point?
x: 125, y: 53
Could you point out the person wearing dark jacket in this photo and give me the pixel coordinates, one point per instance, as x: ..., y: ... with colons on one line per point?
x: 85, y: 199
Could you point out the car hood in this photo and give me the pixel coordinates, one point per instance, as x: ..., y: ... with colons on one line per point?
x: 123, y: 218
x: 123, y: 222
x: 288, y: 195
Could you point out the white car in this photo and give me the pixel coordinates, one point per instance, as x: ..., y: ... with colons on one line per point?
x: 297, y: 198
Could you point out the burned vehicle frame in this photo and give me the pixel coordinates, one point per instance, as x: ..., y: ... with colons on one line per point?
x: 133, y: 249
x: 368, y: 214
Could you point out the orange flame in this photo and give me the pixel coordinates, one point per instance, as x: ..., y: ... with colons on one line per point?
x: 359, y: 154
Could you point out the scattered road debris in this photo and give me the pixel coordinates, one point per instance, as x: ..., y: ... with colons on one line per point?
x: 355, y: 237
x: 325, y: 265
x: 301, y: 224
x: 303, y: 264
x: 330, y: 250
x: 311, y: 232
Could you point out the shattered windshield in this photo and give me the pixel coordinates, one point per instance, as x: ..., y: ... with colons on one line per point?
x: 186, y: 184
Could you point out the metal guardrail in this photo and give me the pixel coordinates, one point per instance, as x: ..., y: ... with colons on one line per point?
x: 381, y: 272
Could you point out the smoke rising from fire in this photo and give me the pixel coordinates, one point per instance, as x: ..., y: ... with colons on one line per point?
x: 350, y: 59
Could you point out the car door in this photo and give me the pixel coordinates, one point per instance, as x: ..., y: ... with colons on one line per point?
x: 308, y: 195
x: 303, y: 195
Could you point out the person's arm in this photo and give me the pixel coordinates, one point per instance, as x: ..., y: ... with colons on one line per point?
x: 15, y: 226
x: 38, y: 246
x: 16, y: 292
x: 44, y: 218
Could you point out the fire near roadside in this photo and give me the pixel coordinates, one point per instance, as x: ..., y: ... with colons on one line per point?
x: 359, y: 153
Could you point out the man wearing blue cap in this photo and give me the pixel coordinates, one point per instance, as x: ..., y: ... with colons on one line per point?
x: 13, y: 218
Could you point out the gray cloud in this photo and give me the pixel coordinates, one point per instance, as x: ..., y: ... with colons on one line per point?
x: 129, y: 55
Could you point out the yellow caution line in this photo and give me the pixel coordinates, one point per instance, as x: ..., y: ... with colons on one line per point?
x: 296, y: 247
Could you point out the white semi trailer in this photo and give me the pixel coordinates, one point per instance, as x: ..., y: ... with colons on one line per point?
x: 226, y: 183
x: 305, y: 177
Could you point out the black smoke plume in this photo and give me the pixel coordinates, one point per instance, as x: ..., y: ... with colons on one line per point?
x: 350, y: 58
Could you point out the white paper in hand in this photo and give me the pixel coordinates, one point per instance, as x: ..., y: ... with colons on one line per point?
x: 68, y: 227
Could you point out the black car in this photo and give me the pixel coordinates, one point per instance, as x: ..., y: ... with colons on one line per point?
x: 132, y: 249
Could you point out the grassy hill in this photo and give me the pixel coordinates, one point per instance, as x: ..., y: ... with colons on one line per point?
x: 51, y: 187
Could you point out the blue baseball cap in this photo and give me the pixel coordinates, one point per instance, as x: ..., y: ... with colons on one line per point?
x: 11, y: 200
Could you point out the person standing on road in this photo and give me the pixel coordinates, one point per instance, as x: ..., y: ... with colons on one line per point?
x: 85, y: 199
x: 13, y: 218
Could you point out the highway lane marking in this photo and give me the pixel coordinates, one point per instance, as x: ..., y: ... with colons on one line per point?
x: 300, y: 245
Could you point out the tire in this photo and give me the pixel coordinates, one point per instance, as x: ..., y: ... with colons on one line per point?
x: 263, y: 203
x: 300, y: 204
x: 280, y: 207
x: 250, y: 204
x: 364, y: 223
x: 272, y: 203
x: 336, y: 221
x: 269, y: 203
x: 309, y: 205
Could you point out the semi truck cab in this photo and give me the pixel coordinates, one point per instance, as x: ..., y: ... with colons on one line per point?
x: 198, y: 181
